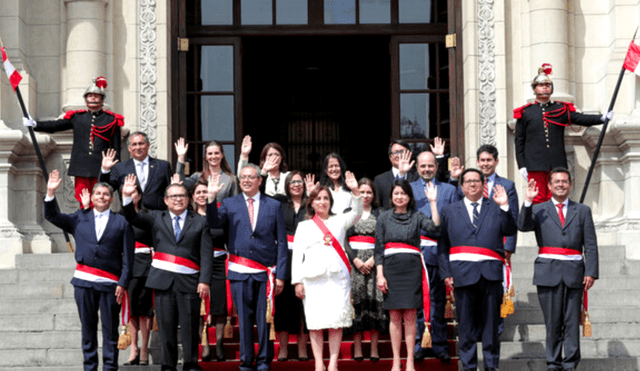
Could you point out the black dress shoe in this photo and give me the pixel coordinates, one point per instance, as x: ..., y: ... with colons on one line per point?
x: 492, y: 369
x: 444, y: 357
x: 375, y: 359
x: 303, y: 359
x: 221, y: 359
x: 283, y: 359
x: 358, y: 359
x: 135, y: 361
x: 144, y: 362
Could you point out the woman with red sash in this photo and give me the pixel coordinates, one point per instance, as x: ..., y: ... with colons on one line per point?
x: 321, y: 270
x: 367, y: 301
x: 399, y: 264
x: 289, y: 317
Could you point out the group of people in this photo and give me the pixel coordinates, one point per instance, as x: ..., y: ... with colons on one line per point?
x: 300, y: 256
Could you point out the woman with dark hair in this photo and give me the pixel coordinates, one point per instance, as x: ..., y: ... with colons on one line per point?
x: 218, y: 309
x: 273, y: 166
x: 214, y: 162
x: 290, y: 316
x: 321, y: 270
x: 333, y: 177
x: 367, y: 301
x: 399, y: 263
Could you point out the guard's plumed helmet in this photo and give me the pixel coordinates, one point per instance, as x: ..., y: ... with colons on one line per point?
x: 543, y: 76
x: 98, y: 86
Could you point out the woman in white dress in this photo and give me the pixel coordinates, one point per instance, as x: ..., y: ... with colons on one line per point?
x: 321, y: 270
x: 273, y: 166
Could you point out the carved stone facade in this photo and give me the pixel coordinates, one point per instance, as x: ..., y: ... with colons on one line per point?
x: 486, y: 72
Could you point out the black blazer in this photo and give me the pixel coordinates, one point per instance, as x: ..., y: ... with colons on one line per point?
x: 383, y: 183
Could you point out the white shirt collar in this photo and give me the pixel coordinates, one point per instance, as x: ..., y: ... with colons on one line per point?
x: 145, y: 161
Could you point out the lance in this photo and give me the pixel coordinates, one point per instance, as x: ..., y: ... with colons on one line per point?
x: 43, y: 167
x: 604, y: 130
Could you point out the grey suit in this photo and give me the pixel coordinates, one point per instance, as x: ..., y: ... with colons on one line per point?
x: 559, y: 281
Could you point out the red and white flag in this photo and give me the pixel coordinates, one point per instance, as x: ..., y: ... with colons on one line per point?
x: 12, y: 74
x: 632, y: 60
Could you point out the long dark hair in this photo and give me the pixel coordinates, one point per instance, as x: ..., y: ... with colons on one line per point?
x: 287, y: 182
x: 324, y: 178
x: 314, y: 194
x: 369, y: 182
x: 224, y: 165
x: 406, y: 187
x: 283, y: 157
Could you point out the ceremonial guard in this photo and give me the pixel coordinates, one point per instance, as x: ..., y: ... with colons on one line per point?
x: 94, y: 131
x: 540, y: 131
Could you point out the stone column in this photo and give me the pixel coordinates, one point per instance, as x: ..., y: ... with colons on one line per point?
x: 85, y: 47
x: 549, y: 30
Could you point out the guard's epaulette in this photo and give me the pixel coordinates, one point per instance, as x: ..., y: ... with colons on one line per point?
x: 70, y: 114
x: 570, y: 105
x: 118, y: 117
x: 517, y: 113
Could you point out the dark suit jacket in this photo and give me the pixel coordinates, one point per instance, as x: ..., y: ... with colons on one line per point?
x: 456, y: 230
x: 267, y: 244
x: 194, y: 244
x: 539, y: 149
x: 383, y: 183
x: 85, y: 156
x: 159, y: 179
x: 112, y: 253
x: 578, y: 233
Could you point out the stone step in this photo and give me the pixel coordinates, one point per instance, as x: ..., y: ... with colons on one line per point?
x: 533, y: 315
x: 39, y: 261
x: 42, y: 340
x: 43, y: 290
x: 599, y: 348
x: 40, y: 322
x: 608, y: 252
x: 537, y: 332
x: 52, y: 275
x: 607, y: 283
x: 588, y: 364
x: 30, y: 306
x: 608, y: 268
x: 600, y: 299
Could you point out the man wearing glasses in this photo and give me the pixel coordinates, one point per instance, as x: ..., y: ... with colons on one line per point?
x: 401, y: 164
x: 180, y: 272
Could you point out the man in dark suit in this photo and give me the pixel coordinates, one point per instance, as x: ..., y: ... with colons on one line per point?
x: 153, y: 175
x: 104, y: 253
x: 257, y: 242
x: 401, y: 164
x: 540, y: 132
x: 180, y: 272
x: 447, y: 194
x: 565, y: 233
x: 471, y: 256
x: 94, y: 131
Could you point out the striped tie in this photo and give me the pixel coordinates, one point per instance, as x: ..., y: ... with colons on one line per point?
x: 476, y: 214
x: 250, y: 207
x: 485, y: 192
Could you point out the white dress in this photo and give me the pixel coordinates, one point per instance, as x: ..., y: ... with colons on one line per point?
x: 320, y: 269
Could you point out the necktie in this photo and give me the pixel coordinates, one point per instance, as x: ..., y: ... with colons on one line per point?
x: 485, y: 192
x: 476, y: 214
x: 176, y: 227
x: 560, y: 214
x: 99, y: 226
x: 141, y: 176
x: 250, y: 207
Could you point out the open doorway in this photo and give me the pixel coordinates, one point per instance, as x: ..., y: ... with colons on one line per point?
x: 319, y: 94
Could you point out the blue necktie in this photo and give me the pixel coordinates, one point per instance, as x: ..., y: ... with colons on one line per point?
x: 476, y: 214
x: 176, y: 226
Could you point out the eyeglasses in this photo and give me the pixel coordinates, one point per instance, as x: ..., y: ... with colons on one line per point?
x: 560, y: 182
x: 248, y: 177
x: 397, y: 153
x: 294, y: 182
x: 176, y: 197
x: 473, y: 181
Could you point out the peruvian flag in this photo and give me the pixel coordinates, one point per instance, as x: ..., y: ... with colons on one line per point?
x: 631, y: 61
x: 12, y: 74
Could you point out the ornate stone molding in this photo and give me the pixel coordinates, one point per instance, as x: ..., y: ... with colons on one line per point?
x: 486, y: 72
x: 148, y: 72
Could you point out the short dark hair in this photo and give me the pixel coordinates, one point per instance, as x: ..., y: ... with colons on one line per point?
x: 313, y: 195
x: 144, y: 135
x: 493, y: 151
x: 471, y: 170
x: 399, y: 142
x: 406, y: 187
x: 105, y: 185
x: 166, y: 191
x: 559, y: 169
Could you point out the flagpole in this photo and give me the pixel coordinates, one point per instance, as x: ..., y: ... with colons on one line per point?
x: 43, y: 166
x: 604, y: 130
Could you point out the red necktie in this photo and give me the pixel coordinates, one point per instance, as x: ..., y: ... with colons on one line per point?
x: 560, y: 214
x: 485, y: 192
x: 250, y: 207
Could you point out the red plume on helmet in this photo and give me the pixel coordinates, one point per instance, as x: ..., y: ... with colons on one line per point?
x: 546, y: 68
x: 101, y: 81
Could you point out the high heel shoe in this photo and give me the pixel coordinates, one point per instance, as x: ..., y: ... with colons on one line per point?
x: 133, y: 362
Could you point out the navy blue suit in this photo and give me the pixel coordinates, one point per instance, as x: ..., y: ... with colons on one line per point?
x: 478, y: 284
x: 113, y: 253
x: 447, y: 194
x: 383, y: 183
x: 158, y: 180
x: 267, y: 245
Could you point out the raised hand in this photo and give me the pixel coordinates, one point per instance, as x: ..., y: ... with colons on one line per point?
x: 213, y: 187
x: 108, y: 159
x: 531, y: 192
x: 53, y: 183
x: 438, y: 146
x: 129, y: 186
x: 175, y: 179
x: 245, y: 148
x: 351, y: 182
x: 181, y: 149
x: 85, y: 198
x: 310, y: 182
x: 271, y: 163
x: 431, y: 192
x: 500, y: 195
x: 456, y: 168
x: 405, y: 164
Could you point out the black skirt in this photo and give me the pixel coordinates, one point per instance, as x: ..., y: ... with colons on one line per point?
x: 141, y: 297
x: 403, y: 273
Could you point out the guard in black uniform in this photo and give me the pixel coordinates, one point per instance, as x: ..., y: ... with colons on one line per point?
x: 540, y: 132
x: 94, y: 131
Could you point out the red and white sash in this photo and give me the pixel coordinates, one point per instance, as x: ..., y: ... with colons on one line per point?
x: 219, y: 252
x: 290, y: 241
x: 473, y: 254
x: 329, y: 239
x: 559, y: 253
x: 240, y: 264
x: 142, y: 248
x: 173, y: 263
x: 427, y: 241
x: 391, y: 248
x: 86, y: 273
x: 362, y: 242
